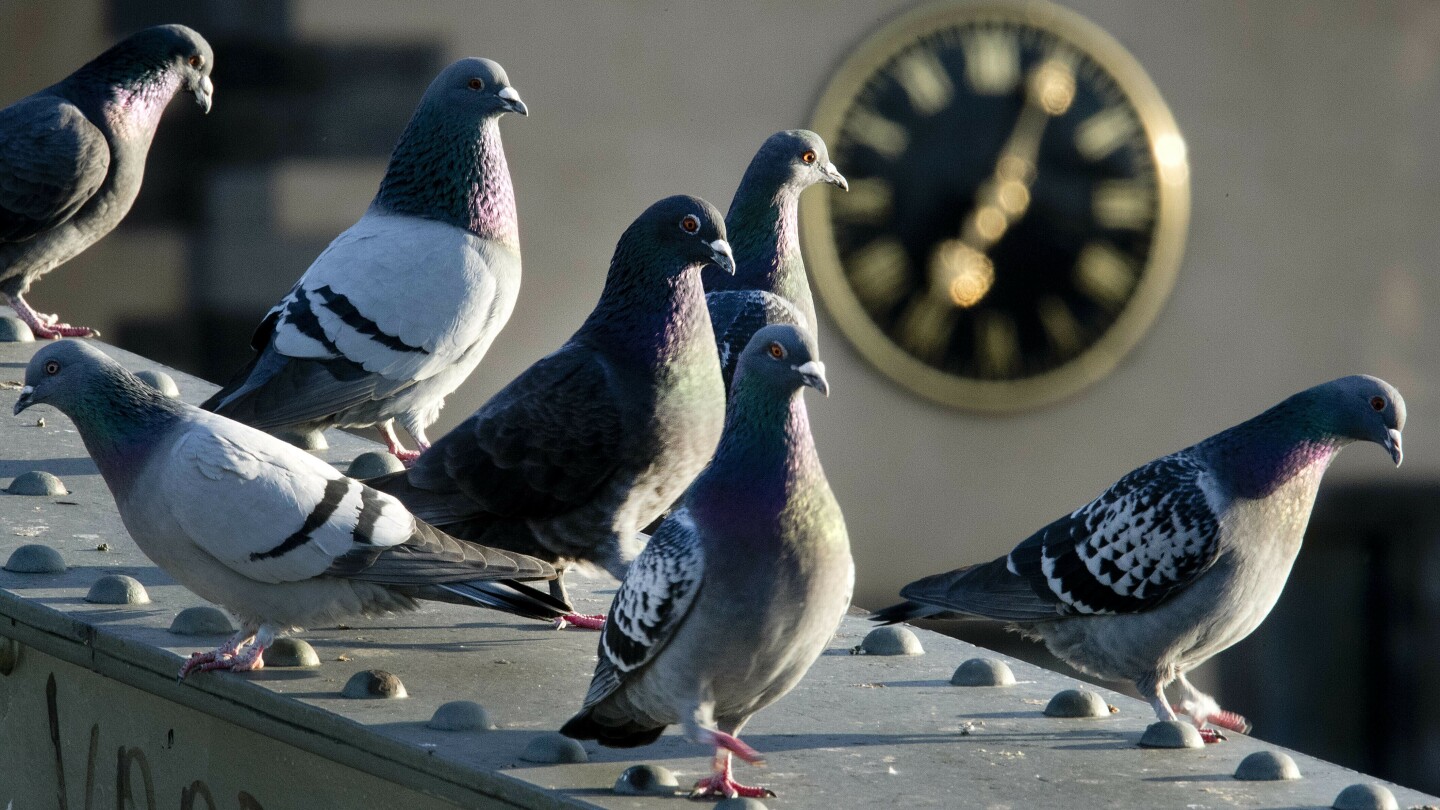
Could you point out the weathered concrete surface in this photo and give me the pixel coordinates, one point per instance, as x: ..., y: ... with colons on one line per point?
x: 859, y: 731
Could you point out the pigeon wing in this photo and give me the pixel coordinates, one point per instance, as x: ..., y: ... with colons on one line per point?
x: 52, y: 160
x: 1150, y: 534
x: 737, y: 315
x: 540, y: 447
x: 650, y: 606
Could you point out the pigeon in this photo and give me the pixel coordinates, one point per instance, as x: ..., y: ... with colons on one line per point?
x: 72, y: 156
x: 591, y: 442
x: 245, y: 520
x: 1178, y: 560
x: 769, y: 285
x: 740, y: 589
x: 400, y: 308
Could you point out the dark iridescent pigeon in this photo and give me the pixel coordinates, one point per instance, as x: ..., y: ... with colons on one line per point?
x: 263, y: 528
x: 769, y: 285
x: 592, y: 441
x: 401, y: 307
x: 1180, y: 559
x: 740, y: 589
x: 72, y: 156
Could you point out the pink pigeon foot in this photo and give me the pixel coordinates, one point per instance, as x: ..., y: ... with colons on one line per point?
x: 1211, y: 736
x: 592, y: 621
x: 48, y: 327
x: 1229, y: 720
x: 202, y: 662
x: 392, y: 443
x: 721, y: 784
x: 1202, y: 714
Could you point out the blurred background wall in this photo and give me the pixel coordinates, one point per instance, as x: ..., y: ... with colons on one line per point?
x: 1316, y: 181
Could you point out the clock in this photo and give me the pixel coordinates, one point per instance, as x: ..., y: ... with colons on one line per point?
x: 1019, y: 195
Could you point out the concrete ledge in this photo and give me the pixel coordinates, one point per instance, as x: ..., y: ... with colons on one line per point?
x: 859, y: 731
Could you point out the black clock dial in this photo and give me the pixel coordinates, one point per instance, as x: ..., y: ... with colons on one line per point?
x: 1006, y: 200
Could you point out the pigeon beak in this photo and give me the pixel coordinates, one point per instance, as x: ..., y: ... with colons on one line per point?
x: 512, y: 101
x: 24, y: 401
x: 1392, y: 445
x: 204, y: 91
x: 833, y: 176
x: 722, y: 257
x: 813, y: 374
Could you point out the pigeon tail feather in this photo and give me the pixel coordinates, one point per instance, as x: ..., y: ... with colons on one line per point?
x: 987, y: 590
x: 584, y: 726
x: 507, y: 596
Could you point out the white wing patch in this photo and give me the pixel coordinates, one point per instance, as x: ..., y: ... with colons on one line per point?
x: 656, y: 595
x: 403, y: 297
x: 266, y: 509
x: 1153, y: 531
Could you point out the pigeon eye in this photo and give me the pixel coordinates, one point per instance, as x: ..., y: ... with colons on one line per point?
x: 52, y: 367
x: 690, y: 224
x: 197, y: 61
x: 809, y: 156
x: 1378, y: 403
x: 777, y: 351
x: 476, y: 84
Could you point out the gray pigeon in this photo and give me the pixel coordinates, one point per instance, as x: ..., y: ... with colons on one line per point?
x: 265, y: 529
x: 592, y: 441
x: 740, y: 589
x: 769, y: 285
x: 401, y: 307
x: 72, y: 156
x: 1181, y: 558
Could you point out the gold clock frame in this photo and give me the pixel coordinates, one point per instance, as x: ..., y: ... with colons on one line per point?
x: 1156, y: 280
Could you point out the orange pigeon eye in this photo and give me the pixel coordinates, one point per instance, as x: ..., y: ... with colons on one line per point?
x: 777, y: 351
x: 1378, y: 403
x: 197, y: 61
x: 476, y: 84
x: 690, y: 224
x: 809, y: 156
x: 52, y: 367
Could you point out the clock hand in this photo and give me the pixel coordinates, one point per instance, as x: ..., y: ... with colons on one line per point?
x: 960, y: 270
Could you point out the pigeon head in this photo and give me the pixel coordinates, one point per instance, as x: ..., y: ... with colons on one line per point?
x: 784, y: 357
x: 449, y: 164
x: 796, y: 158
x: 686, y: 231
x: 118, y: 416
x: 474, y: 87
x: 190, y: 57
x: 163, y: 55
x: 63, y: 374
x: 1362, y: 408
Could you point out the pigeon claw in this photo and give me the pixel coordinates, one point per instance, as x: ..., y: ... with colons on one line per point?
x: 206, y: 662
x: 1211, y: 736
x: 594, y: 621
x: 48, y: 327
x: 722, y: 786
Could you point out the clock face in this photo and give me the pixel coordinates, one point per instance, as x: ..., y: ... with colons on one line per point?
x: 1017, y: 205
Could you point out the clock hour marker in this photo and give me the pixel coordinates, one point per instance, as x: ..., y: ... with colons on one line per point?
x: 924, y: 328
x: 867, y: 201
x: 1104, y: 132
x: 1104, y: 274
x: 878, y: 273
x: 925, y: 81
x: 1060, y: 325
x: 998, y: 344
x: 1123, y: 204
x: 992, y: 62
x: 877, y: 132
